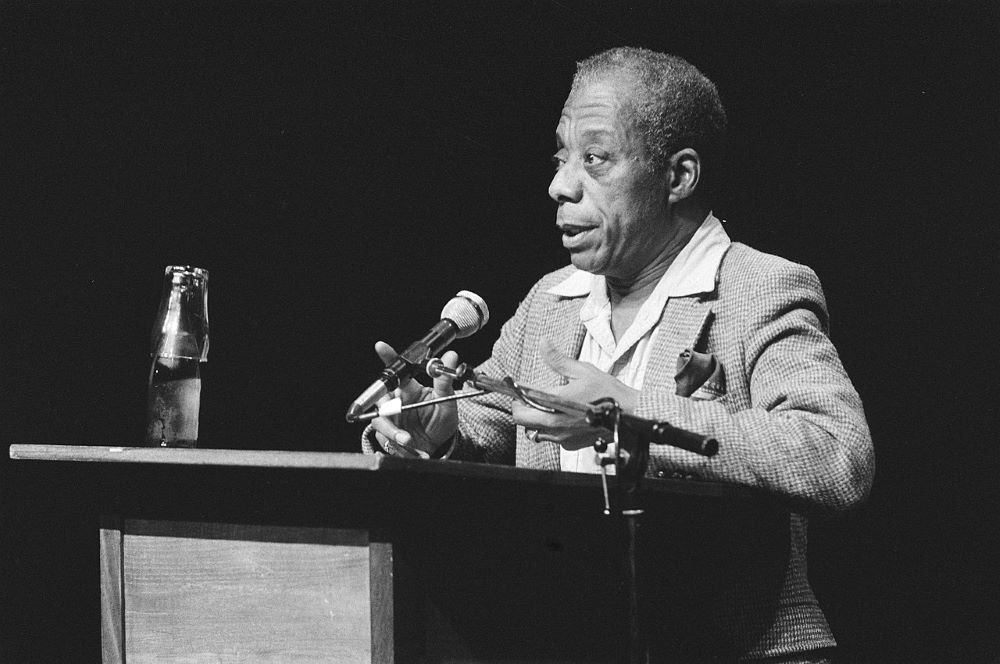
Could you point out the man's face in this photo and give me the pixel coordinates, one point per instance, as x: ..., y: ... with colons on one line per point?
x: 612, y: 205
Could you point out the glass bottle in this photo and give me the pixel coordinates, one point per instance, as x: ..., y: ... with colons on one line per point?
x: 179, y: 346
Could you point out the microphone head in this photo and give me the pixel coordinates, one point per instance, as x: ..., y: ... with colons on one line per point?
x: 467, y: 311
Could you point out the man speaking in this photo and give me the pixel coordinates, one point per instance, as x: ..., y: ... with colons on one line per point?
x: 663, y: 313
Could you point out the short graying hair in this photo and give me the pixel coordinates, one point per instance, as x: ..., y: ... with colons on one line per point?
x: 671, y: 104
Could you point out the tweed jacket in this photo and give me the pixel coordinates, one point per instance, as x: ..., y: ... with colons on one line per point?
x: 785, y: 413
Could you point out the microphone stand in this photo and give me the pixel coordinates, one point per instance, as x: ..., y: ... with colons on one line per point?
x: 630, y: 458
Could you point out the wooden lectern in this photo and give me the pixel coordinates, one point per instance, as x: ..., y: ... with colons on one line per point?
x: 272, y: 556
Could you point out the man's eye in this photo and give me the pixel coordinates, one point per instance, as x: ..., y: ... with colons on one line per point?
x: 558, y: 161
x: 592, y: 158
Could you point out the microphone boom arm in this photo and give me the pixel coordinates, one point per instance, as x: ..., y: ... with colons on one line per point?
x: 652, y: 431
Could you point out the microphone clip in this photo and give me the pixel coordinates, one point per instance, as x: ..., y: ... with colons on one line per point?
x: 629, y: 456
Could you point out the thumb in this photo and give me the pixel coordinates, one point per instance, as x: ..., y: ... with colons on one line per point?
x: 559, y: 362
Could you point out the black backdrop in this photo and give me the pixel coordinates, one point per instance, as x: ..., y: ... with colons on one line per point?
x: 343, y: 168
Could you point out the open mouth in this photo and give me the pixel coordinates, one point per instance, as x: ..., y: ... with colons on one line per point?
x: 576, y: 237
x: 573, y: 231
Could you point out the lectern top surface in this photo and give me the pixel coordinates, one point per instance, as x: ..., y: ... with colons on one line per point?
x: 344, y: 461
x: 196, y: 457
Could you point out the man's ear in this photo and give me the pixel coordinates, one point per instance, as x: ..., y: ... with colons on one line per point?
x: 684, y: 173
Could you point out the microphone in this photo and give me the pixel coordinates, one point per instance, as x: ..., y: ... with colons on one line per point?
x: 464, y: 315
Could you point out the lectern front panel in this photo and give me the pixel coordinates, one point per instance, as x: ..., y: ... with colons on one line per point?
x: 235, y: 593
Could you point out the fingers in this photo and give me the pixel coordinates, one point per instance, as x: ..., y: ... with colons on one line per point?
x: 385, y: 352
x: 561, y: 363
x: 570, y: 432
x: 533, y: 418
x: 386, y: 431
x: 394, y: 441
x: 388, y: 355
x: 399, y: 446
x: 444, y: 385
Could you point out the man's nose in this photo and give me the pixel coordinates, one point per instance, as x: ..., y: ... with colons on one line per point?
x: 566, y: 186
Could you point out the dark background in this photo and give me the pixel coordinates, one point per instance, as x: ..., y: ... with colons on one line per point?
x: 342, y: 169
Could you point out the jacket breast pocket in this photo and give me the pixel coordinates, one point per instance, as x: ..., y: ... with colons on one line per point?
x: 699, y: 375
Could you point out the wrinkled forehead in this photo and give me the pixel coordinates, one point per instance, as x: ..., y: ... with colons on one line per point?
x: 608, y: 89
x: 597, y: 105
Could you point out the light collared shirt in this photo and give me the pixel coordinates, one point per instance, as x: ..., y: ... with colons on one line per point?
x: 693, y: 271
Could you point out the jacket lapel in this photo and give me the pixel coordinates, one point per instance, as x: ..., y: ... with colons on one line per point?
x: 564, y: 329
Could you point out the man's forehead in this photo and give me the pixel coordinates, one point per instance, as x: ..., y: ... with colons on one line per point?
x: 589, y: 118
x: 594, y: 97
x: 592, y: 108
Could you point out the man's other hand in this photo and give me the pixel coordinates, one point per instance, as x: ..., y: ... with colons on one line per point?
x: 587, y: 384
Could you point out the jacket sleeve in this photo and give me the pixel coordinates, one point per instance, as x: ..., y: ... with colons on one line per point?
x: 486, y: 430
x: 804, y: 435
